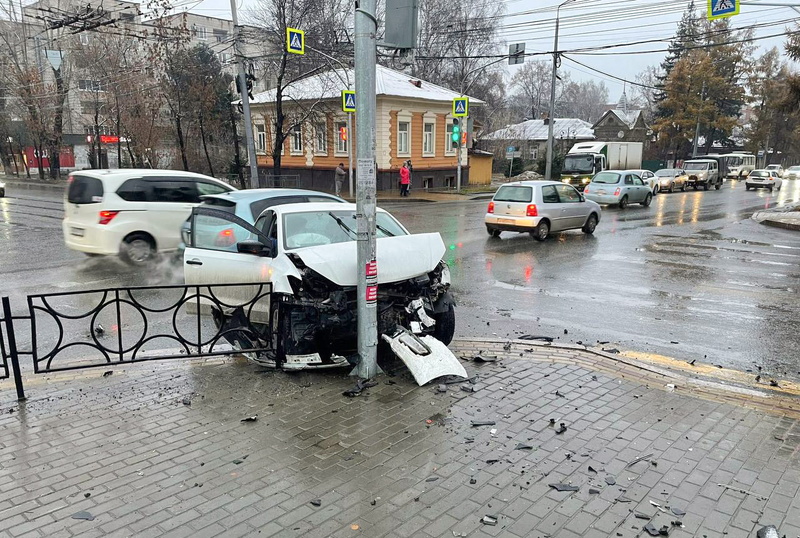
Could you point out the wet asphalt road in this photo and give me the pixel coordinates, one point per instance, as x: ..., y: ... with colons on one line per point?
x: 690, y: 277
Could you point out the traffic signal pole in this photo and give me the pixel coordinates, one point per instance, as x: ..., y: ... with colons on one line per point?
x: 248, y: 123
x: 366, y: 28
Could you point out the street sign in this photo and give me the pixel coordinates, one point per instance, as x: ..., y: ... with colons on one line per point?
x: 719, y: 9
x: 295, y: 41
x: 348, y: 101
x: 516, y: 53
x: 461, y: 107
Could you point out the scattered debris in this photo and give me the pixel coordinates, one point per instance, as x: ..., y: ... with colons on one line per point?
x: 240, y: 461
x: 566, y: 331
x: 670, y: 387
x: 99, y: 330
x: 674, y: 342
x: 773, y: 383
x: 564, y: 487
x: 691, y: 363
x: 108, y: 373
x: 523, y: 446
x: 507, y: 346
x: 484, y: 358
x: 611, y: 350
x: 468, y: 388
x: 473, y: 481
x: 355, y: 527
x: 83, y: 514
x: 651, y: 529
x: 770, y: 531
x: 492, y: 461
x: 678, y: 512
x: 611, y: 481
x: 316, y: 502
x: 593, y: 491
x: 250, y: 419
x: 187, y: 401
x: 552, y: 422
x: 432, y: 479
x: 623, y: 499
x: 536, y: 337
x: 489, y: 520
x: 482, y: 423
x: 561, y: 428
x: 592, y: 470
x: 560, y: 395
x: 441, y: 388
x: 359, y: 388
x: 677, y: 523
x: 373, y: 502
x: 640, y: 458
x: 746, y: 492
x: 639, y: 515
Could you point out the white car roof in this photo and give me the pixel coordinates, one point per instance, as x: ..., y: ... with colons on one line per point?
x: 315, y: 206
x: 114, y: 178
x: 531, y: 183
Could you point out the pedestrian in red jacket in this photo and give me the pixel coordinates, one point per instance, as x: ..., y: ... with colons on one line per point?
x: 405, y: 179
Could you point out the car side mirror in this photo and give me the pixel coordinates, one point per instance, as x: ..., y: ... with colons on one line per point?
x: 583, y: 198
x: 251, y: 246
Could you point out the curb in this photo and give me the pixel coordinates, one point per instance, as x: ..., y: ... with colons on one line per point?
x: 781, y: 224
x: 22, y: 184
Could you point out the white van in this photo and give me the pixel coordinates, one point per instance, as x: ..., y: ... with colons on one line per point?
x: 131, y: 213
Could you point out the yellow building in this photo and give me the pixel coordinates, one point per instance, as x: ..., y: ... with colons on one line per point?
x: 414, y: 121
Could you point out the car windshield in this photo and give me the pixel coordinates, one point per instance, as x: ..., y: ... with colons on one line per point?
x: 578, y: 163
x: 794, y: 169
x: 759, y: 173
x: 774, y: 167
x: 315, y: 228
x: 607, y: 178
x: 695, y: 166
x: 667, y: 172
x: 511, y: 193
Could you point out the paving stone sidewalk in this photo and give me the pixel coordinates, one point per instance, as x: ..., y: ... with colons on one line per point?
x: 160, y: 450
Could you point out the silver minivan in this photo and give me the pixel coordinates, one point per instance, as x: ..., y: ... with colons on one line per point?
x: 539, y: 207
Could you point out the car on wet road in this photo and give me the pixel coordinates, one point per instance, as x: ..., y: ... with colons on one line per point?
x: 671, y: 179
x: 703, y: 173
x: 776, y: 168
x: 539, y: 208
x: 649, y: 178
x: 307, y: 252
x: 763, y: 179
x: 793, y: 172
x: 2, y: 189
x: 618, y: 188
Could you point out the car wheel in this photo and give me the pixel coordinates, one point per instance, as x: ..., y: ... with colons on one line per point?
x: 624, y: 202
x: 2, y: 193
x: 718, y: 186
x: 591, y: 224
x: 655, y: 190
x: 445, y: 325
x: 683, y: 187
x: 705, y: 186
x: 492, y: 232
x: 671, y: 188
x: 280, y: 327
x: 747, y: 187
x: 779, y: 187
x: 541, y: 232
x: 138, y: 249
x: 647, y: 200
x: 770, y: 189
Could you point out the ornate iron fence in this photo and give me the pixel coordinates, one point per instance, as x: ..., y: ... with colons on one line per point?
x: 102, y: 328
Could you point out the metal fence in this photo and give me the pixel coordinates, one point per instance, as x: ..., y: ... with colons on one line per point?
x: 102, y: 328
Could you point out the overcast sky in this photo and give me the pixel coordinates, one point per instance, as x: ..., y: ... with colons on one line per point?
x: 587, y: 24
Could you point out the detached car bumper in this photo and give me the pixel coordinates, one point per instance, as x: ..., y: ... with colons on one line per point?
x: 511, y: 224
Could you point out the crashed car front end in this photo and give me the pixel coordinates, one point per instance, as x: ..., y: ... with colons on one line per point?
x: 317, y: 321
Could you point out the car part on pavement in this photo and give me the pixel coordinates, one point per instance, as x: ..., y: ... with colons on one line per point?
x: 426, y: 357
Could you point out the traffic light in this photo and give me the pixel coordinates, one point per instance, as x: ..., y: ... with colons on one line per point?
x: 456, y: 136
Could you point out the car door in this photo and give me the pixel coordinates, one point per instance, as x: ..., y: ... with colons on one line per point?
x: 573, y: 208
x: 649, y: 179
x: 171, y: 203
x: 641, y: 187
x: 628, y: 189
x: 207, y: 260
x: 552, y: 208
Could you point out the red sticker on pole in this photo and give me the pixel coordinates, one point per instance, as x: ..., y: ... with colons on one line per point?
x: 372, y: 294
x: 372, y: 268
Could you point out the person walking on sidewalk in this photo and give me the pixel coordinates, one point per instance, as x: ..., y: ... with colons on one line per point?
x: 405, y: 179
x: 339, y: 178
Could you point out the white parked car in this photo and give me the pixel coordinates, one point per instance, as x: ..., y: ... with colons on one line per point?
x: 776, y: 168
x: 650, y: 178
x: 763, y: 179
x: 308, y: 252
x: 131, y: 213
x: 793, y: 172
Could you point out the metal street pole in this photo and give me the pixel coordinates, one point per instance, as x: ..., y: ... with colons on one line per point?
x: 458, y: 158
x: 548, y: 167
x: 248, y: 123
x: 366, y: 27
x: 697, y: 127
x: 350, y: 151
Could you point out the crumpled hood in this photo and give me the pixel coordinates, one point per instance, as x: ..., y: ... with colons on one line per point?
x: 399, y: 258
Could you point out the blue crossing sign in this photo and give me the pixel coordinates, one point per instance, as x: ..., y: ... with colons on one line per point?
x: 348, y: 101
x: 295, y: 41
x: 460, y: 107
x: 718, y: 9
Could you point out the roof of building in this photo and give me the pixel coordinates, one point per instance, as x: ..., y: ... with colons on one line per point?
x: 388, y: 82
x: 628, y: 117
x: 572, y: 128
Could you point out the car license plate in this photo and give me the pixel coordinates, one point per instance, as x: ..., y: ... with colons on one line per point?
x: 505, y: 221
x: 78, y: 232
x: 601, y: 191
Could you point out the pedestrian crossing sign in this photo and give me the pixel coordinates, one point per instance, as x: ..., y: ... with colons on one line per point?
x: 718, y: 9
x: 460, y: 107
x: 348, y: 101
x: 295, y: 41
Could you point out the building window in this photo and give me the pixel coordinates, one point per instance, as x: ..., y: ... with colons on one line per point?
x: 96, y: 129
x: 261, y: 138
x: 90, y: 85
x: 200, y: 32
x: 223, y: 58
x: 85, y: 38
x: 341, y: 145
x: 321, y: 137
x: 403, y: 138
x: 297, y: 139
x: 428, y: 139
x: 220, y: 35
x: 534, y: 154
x: 448, y: 139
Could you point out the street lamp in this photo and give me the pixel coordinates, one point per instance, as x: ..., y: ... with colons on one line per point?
x: 548, y: 167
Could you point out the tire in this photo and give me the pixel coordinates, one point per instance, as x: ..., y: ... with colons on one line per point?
x: 541, y: 232
x: 770, y: 189
x: 718, y: 186
x: 591, y: 224
x: 747, y: 187
x: 91, y: 255
x: 705, y: 186
x: 647, y: 200
x: 623, y: 203
x: 671, y: 188
x: 279, y: 328
x: 445, y: 325
x: 138, y: 249
x: 492, y: 232
x: 2, y: 193
x: 683, y: 187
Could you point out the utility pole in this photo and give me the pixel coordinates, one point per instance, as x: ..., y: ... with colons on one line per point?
x: 248, y: 123
x: 697, y: 127
x: 350, y: 152
x: 366, y: 27
x: 548, y: 167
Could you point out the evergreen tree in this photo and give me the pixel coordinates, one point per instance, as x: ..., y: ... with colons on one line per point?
x: 687, y: 35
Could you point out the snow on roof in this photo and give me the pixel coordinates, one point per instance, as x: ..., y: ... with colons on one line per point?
x: 628, y: 117
x: 329, y: 84
x: 571, y: 128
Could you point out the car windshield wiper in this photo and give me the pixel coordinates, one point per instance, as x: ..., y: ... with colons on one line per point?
x: 342, y: 225
x: 384, y: 230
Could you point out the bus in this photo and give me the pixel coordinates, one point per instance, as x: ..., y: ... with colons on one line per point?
x: 736, y: 165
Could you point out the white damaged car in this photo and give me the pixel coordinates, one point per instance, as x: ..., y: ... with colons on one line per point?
x: 308, y: 252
